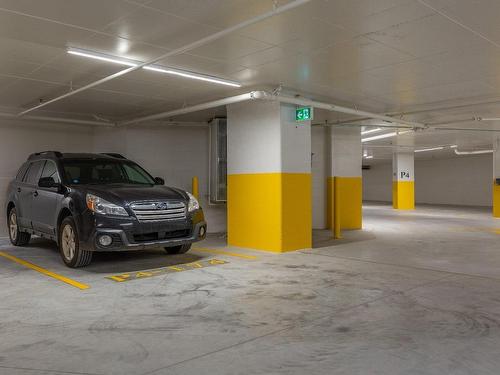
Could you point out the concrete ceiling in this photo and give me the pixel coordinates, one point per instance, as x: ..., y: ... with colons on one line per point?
x: 387, y: 56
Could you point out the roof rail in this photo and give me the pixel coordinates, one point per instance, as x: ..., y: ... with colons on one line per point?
x: 55, y: 154
x: 114, y: 155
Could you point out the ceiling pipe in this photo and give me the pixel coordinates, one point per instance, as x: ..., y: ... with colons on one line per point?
x: 335, y: 108
x: 63, y: 120
x: 437, y: 109
x: 177, y: 51
x: 476, y: 152
x: 263, y: 95
x: 191, y: 109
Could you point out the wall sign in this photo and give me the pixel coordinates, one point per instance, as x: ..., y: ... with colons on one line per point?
x: 303, y: 114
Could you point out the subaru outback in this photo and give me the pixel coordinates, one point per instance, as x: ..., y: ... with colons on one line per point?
x: 99, y: 202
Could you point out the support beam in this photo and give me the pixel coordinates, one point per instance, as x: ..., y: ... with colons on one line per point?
x: 269, y: 202
x: 403, y: 181
x: 496, y: 177
x: 344, y: 181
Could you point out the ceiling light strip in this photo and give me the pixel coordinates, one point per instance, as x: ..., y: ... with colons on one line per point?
x: 192, y: 75
x: 155, y: 68
x: 371, y: 131
x: 380, y: 136
x: 102, y: 57
x: 430, y: 149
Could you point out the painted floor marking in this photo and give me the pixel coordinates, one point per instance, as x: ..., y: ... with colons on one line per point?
x: 128, y: 276
x: 44, y: 271
x: 223, y: 252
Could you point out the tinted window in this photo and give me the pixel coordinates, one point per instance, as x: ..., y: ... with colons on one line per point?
x: 98, y: 171
x: 50, y: 170
x: 33, y: 172
x: 22, y: 172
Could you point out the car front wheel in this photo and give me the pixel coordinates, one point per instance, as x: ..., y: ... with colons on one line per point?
x: 180, y: 249
x: 69, y: 246
x: 16, y: 237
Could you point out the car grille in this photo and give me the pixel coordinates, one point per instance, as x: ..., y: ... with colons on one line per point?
x: 159, y: 211
x: 156, y: 236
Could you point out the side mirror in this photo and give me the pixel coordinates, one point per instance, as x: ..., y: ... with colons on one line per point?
x: 48, y: 182
x: 159, y: 181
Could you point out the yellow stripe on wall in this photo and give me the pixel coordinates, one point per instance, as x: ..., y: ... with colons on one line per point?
x: 403, y: 195
x: 351, y: 201
x: 270, y: 211
x: 496, y: 200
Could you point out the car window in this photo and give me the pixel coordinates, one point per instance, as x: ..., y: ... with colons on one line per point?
x: 31, y: 176
x: 98, y: 171
x: 22, y: 172
x: 135, y: 174
x: 50, y: 170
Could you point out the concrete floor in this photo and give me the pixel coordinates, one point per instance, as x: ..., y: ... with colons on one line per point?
x: 414, y: 293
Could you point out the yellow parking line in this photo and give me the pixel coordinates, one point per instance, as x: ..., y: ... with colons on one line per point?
x: 56, y: 276
x: 222, y: 252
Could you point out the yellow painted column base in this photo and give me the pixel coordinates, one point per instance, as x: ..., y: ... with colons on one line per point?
x: 496, y: 200
x: 351, y: 202
x: 403, y: 195
x: 270, y: 211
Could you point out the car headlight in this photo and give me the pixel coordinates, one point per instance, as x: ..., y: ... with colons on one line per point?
x: 101, y: 206
x: 193, y: 202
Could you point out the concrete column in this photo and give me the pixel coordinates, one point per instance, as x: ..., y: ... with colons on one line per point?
x: 345, y: 167
x: 269, y: 177
x: 403, y: 180
x: 496, y: 177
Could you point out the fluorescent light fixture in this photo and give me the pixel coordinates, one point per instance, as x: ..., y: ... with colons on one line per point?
x: 453, y: 146
x: 371, y: 131
x: 102, y: 57
x: 369, y: 157
x: 381, y: 136
x: 192, y: 75
x: 430, y: 149
x: 156, y: 68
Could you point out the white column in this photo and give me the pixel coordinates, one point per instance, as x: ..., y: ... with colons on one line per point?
x: 345, y: 169
x: 269, y: 177
x: 403, y: 180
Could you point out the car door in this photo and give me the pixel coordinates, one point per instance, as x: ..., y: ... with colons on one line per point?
x: 25, y: 191
x: 46, y: 201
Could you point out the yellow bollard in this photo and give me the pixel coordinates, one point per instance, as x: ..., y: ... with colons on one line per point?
x: 337, y: 234
x: 195, y: 189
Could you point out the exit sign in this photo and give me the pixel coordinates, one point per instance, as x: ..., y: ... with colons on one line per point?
x: 303, y: 114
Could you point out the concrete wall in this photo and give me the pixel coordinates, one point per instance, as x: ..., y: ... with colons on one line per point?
x: 18, y: 139
x: 464, y: 180
x: 176, y: 153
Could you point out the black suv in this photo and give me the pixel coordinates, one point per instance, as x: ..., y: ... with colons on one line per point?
x: 99, y: 202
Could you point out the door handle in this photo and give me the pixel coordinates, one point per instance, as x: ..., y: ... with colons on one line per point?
x: 35, y: 193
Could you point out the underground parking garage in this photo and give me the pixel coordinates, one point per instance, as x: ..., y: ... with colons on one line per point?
x: 249, y: 187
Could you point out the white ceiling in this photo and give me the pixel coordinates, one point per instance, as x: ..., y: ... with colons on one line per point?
x: 387, y: 56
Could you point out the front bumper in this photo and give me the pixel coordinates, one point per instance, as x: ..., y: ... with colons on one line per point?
x: 130, y: 234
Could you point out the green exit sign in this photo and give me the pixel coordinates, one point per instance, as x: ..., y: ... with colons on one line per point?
x: 303, y: 114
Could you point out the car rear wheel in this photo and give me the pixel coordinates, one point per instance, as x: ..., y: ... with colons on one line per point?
x: 69, y: 246
x: 17, y: 238
x: 180, y: 249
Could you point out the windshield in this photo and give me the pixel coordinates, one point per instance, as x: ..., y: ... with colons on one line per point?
x: 103, y: 171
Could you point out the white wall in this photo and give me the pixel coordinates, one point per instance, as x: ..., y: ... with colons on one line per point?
x: 176, y: 153
x: 19, y: 139
x: 461, y: 180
